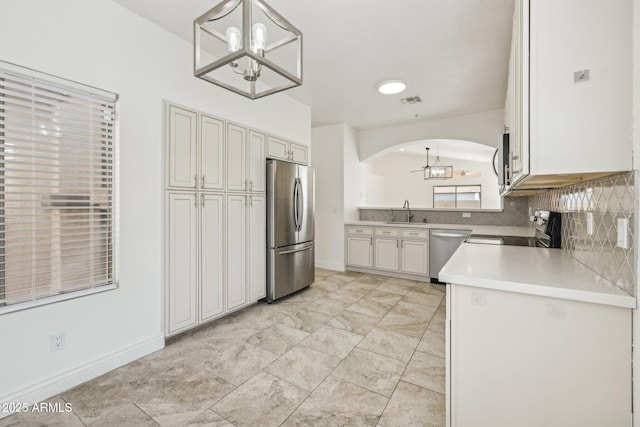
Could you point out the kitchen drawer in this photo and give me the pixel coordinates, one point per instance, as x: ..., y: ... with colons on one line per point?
x: 417, y: 234
x: 367, y: 231
x: 387, y: 232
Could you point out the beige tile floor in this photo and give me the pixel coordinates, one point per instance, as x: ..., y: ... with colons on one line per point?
x: 353, y: 349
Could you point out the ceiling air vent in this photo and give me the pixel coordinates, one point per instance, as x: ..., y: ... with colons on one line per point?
x: 411, y: 100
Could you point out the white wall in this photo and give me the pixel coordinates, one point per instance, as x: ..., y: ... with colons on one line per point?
x: 636, y: 167
x: 483, y: 128
x: 327, y: 154
x: 389, y: 181
x: 354, y: 175
x: 339, y: 189
x: 101, y: 44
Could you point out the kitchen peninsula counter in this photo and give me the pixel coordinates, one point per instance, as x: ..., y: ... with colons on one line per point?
x: 530, y: 270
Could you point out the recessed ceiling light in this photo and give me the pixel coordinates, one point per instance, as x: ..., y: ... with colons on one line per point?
x: 391, y: 87
x: 402, y: 149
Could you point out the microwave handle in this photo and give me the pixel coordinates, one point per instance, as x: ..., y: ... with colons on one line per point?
x: 495, y: 170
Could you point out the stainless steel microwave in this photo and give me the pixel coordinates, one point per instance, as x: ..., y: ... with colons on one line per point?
x: 501, y: 161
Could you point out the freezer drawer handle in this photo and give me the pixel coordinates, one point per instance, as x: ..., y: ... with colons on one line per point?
x: 296, y: 250
x: 448, y: 235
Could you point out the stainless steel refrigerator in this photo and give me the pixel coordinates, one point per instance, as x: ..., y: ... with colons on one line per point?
x: 290, y: 228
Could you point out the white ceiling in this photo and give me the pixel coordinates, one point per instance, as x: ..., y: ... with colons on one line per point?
x: 452, y: 53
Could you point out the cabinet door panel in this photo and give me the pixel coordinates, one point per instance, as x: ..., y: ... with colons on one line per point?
x: 211, y: 256
x: 211, y: 153
x: 415, y: 257
x: 387, y: 251
x: 257, y: 243
x: 257, y: 162
x: 182, y: 262
x: 359, y: 251
x: 236, y: 154
x: 183, y: 139
x: 236, y: 251
x: 299, y: 153
x: 278, y: 148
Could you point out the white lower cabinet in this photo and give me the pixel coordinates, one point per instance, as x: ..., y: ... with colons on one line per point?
x: 387, y: 254
x: 415, y: 256
x: 257, y: 230
x: 360, y: 251
x: 246, y: 249
x: 182, y: 272
x: 216, y: 253
x: 391, y: 251
x: 523, y: 360
x: 211, y: 255
x: 236, y: 251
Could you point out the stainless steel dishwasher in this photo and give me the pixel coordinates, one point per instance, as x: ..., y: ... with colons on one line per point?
x: 442, y: 244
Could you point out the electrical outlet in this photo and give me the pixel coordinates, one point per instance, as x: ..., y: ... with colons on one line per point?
x: 623, y: 234
x: 57, y: 341
x: 466, y: 215
x: 590, y: 223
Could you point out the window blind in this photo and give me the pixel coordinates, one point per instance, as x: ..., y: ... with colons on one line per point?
x: 56, y: 186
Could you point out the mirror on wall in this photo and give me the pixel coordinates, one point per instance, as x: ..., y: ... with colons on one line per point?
x: 398, y: 174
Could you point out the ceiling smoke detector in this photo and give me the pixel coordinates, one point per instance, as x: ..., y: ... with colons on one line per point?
x: 410, y: 100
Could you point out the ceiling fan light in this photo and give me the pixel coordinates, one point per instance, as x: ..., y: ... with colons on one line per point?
x: 391, y: 87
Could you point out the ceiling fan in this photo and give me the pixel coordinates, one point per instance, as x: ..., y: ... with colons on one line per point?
x: 437, y: 171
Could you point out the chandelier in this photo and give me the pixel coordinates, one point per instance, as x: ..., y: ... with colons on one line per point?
x: 247, y: 47
x: 437, y: 170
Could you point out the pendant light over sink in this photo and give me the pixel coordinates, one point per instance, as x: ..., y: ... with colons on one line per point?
x: 247, y: 47
x: 437, y: 170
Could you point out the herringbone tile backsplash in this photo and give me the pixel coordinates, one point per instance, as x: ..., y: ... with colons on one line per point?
x: 608, y: 199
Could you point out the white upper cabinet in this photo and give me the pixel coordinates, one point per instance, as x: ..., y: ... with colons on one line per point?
x: 211, y: 153
x: 182, y: 154
x: 281, y: 149
x: 256, y: 162
x: 236, y: 158
x: 278, y: 148
x: 299, y: 153
x: 571, y: 92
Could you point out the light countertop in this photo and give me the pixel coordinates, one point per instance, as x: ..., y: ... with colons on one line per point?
x: 533, y: 271
x: 491, y: 230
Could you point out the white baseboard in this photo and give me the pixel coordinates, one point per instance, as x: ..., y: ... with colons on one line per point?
x: 57, y: 384
x: 328, y: 265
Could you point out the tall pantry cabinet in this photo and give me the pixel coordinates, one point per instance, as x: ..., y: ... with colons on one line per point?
x: 215, y: 215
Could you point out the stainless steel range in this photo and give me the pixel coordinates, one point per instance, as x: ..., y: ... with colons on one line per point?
x: 548, y: 233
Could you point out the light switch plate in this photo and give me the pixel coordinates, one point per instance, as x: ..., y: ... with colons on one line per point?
x: 623, y: 235
x: 590, y: 223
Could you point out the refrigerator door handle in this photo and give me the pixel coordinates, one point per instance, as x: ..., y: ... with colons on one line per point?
x: 295, y: 204
x: 300, y: 205
x: 306, y: 248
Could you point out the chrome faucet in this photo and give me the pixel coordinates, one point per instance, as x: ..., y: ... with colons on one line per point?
x: 406, y: 206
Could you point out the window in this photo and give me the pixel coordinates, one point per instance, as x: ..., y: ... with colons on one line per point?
x: 456, y: 196
x: 56, y: 188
